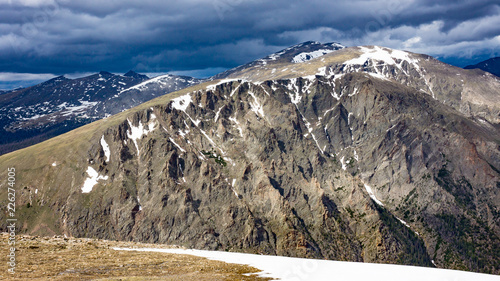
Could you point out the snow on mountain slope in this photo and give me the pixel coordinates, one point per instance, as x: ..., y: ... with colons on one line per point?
x: 305, y: 56
x: 298, y: 269
x: 163, y: 80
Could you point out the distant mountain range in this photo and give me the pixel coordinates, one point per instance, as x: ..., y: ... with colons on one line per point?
x: 491, y: 65
x: 37, y: 113
x: 365, y: 154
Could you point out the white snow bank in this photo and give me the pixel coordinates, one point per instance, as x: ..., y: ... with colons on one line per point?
x: 91, y: 181
x: 297, y: 269
x: 181, y: 103
x: 137, y: 132
x: 105, y: 147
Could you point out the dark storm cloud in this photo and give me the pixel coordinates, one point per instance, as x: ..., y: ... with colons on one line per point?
x: 50, y: 36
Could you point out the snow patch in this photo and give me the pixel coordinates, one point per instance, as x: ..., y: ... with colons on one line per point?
x: 178, y: 146
x: 181, y: 103
x: 137, y: 132
x: 305, y: 56
x: 403, y: 222
x: 384, y: 55
x: 372, y: 195
x: 217, y: 113
x: 321, y: 71
x: 255, y: 106
x: 237, y: 125
x: 105, y: 147
x: 139, y: 201
x: 92, y: 179
x: 295, y: 97
x: 234, y: 91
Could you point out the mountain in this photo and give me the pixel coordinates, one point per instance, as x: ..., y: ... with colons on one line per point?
x: 145, y: 91
x: 136, y: 75
x: 34, y: 114
x: 295, y: 54
x: 363, y: 154
x: 490, y: 65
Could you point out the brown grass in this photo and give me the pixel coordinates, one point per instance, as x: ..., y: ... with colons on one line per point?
x: 59, y: 258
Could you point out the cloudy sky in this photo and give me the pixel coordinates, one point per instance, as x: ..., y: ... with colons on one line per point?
x: 40, y: 38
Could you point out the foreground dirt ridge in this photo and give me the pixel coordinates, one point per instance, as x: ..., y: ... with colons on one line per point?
x: 68, y: 258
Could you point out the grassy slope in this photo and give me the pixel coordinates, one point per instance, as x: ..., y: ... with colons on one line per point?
x: 60, y: 258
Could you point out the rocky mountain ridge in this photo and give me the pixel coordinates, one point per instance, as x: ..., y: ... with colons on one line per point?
x: 349, y: 156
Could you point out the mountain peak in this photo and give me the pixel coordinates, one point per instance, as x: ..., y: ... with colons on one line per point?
x: 53, y: 81
x: 106, y: 73
x: 134, y: 74
x: 58, y: 78
x: 299, y: 53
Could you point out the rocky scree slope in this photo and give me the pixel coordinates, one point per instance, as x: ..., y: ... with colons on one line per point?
x: 338, y: 164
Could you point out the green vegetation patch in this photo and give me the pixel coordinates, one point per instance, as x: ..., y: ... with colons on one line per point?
x: 213, y: 155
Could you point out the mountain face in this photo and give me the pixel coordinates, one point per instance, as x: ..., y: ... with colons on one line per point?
x: 362, y: 154
x: 491, y: 65
x: 34, y: 114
